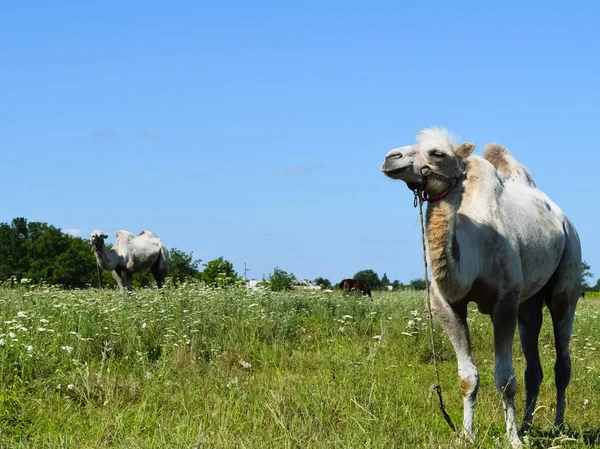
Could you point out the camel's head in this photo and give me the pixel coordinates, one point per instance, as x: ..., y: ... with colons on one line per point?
x: 434, y: 150
x: 97, y: 238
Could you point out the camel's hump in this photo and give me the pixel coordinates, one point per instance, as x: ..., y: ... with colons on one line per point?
x: 506, y: 165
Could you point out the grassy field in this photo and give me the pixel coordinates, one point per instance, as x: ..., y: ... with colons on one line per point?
x: 227, y: 368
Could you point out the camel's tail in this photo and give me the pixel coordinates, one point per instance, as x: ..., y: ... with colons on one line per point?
x: 506, y: 165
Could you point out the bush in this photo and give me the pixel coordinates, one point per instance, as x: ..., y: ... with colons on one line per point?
x: 281, y: 280
x: 219, y: 272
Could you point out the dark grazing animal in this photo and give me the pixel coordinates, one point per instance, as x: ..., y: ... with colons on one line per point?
x: 355, y: 285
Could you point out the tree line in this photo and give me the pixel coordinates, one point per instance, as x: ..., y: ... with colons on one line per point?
x: 38, y: 252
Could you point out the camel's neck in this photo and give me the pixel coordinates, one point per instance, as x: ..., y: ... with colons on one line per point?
x: 444, y: 253
x: 107, y: 259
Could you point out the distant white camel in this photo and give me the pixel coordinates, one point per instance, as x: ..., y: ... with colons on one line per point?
x: 497, y: 240
x: 132, y: 254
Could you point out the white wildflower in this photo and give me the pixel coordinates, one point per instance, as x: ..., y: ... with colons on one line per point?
x: 586, y: 401
x: 245, y: 365
x: 12, y: 335
x: 21, y: 315
x: 29, y: 348
x: 347, y: 317
x: 70, y: 387
x: 377, y: 337
x: 69, y: 349
x: 143, y: 325
x: 44, y: 321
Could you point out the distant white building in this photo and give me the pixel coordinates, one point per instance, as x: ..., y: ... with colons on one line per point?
x: 252, y: 284
x: 305, y: 284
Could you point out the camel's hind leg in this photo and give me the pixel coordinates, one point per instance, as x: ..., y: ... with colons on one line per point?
x: 530, y: 323
x: 161, y: 267
x: 562, y: 311
x: 504, y: 320
x: 562, y: 301
x: 129, y: 280
x: 159, y: 277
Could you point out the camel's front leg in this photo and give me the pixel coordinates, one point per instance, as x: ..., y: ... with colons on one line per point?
x: 117, y: 274
x: 504, y: 320
x: 454, y: 321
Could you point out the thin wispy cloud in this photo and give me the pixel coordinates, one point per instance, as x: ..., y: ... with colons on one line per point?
x: 194, y: 175
x: 299, y: 169
x: 105, y: 133
x: 150, y: 133
x: 73, y: 232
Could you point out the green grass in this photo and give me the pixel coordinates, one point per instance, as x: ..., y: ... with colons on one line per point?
x: 227, y: 368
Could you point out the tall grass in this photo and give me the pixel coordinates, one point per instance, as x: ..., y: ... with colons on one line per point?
x: 219, y: 368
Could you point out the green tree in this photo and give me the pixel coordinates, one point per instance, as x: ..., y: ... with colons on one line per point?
x: 76, y: 267
x: 45, y: 244
x: 385, y: 281
x: 13, y: 249
x: 182, y: 266
x: 43, y: 253
x: 281, y: 280
x: 586, y: 275
x: 219, y: 272
x: 417, y: 284
x: 370, y: 277
x: 324, y: 283
x: 396, y: 285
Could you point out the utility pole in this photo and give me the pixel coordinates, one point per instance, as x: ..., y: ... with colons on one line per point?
x: 246, y: 271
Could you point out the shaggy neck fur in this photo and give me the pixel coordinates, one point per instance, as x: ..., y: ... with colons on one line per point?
x: 444, y: 253
x: 108, y: 260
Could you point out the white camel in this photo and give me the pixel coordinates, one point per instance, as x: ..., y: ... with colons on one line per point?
x: 132, y: 254
x: 497, y: 240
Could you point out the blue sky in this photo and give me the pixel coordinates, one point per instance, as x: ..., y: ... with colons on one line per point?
x: 255, y: 130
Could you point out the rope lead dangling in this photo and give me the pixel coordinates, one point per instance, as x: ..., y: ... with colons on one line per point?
x: 437, y: 387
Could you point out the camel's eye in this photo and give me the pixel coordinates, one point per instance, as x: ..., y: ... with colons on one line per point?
x: 436, y: 153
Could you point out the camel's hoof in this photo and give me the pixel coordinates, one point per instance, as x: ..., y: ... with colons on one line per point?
x: 516, y: 444
x: 465, y: 439
x: 524, y: 430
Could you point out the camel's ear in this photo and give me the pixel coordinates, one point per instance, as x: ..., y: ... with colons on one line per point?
x: 464, y: 150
